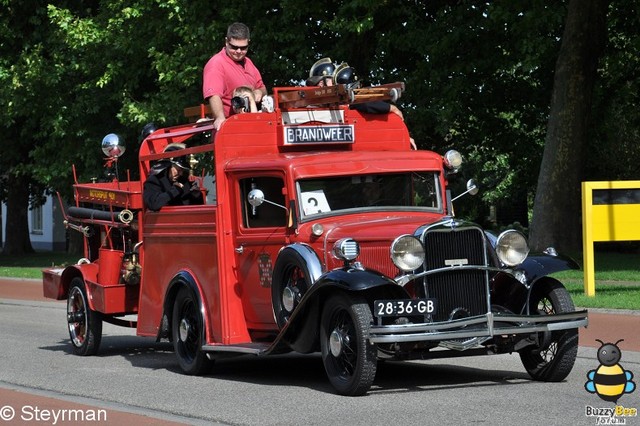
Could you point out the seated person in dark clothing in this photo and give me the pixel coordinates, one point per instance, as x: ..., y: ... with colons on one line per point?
x: 324, y: 72
x: 168, y: 183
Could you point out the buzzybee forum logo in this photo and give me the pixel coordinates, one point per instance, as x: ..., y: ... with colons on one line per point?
x: 610, y: 381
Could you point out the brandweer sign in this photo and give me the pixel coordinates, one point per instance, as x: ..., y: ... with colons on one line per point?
x: 314, y: 134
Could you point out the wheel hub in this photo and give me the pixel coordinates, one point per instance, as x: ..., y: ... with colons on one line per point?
x: 336, y: 343
x: 288, y: 299
x: 184, y: 330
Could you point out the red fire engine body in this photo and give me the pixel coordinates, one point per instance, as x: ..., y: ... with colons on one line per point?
x: 322, y: 231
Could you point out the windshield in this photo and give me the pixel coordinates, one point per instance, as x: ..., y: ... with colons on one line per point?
x: 404, y: 191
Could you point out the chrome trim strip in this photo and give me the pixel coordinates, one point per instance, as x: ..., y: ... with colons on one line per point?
x: 404, y: 279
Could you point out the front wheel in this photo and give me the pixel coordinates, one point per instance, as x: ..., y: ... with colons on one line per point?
x: 187, y: 328
x: 348, y: 356
x: 553, y: 360
x: 85, y: 325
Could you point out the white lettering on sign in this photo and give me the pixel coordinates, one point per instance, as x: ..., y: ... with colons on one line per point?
x: 318, y: 134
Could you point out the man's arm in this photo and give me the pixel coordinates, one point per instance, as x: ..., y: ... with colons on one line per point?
x: 155, y: 197
x: 217, y: 110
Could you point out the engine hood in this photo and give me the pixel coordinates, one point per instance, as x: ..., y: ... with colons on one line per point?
x: 374, y: 232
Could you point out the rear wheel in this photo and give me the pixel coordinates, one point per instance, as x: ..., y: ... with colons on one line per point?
x: 187, y: 328
x: 553, y: 360
x: 348, y: 356
x: 85, y: 325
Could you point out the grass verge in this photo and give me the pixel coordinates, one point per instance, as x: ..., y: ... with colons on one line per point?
x: 31, y: 265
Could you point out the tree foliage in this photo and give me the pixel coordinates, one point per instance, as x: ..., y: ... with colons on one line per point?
x: 479, y: 78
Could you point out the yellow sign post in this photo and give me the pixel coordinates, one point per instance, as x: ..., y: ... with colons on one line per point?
x: 610, y: 212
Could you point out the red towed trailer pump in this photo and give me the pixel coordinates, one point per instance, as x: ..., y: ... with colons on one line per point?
x: 321, y: 231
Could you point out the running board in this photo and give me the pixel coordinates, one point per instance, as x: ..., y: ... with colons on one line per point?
x: 244, y: 348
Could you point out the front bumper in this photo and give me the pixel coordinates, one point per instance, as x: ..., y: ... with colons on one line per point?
x: 481, y: 327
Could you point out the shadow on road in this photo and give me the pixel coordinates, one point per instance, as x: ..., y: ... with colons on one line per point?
x: 303, y: 370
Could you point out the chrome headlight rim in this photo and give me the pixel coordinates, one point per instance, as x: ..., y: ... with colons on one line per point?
x: 453, y: 160
x: 512, y: 247
x: 407, y: 253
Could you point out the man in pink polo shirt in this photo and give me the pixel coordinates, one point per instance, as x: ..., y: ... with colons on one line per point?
x: 228, y: 69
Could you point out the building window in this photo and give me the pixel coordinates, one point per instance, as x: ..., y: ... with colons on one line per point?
x: 36, y: 220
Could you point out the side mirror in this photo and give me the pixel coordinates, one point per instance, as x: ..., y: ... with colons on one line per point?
x: 255, y: 197
x: 472, y: 189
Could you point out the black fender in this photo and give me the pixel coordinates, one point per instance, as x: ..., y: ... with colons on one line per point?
x: 512, y: 294
x: 301, y: 331
x: 182, y: 279
x: 354, y: 279
x: 540, y: 265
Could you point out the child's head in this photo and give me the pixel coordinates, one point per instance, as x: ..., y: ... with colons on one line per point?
x: 243, y: 91
x: 243, y: 100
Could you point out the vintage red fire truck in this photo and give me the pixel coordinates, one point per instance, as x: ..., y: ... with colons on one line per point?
x: 322, y: 231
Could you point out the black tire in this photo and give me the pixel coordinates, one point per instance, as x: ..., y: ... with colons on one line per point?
x: 187, y: 328
x: 291, y: 280
x: 348, y: 356
x: 84, y: 324
x: 553, y: 361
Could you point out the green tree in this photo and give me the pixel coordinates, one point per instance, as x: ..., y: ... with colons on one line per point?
x: 479, y: 77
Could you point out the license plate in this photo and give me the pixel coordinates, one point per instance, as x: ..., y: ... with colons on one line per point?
x: 399, y: 307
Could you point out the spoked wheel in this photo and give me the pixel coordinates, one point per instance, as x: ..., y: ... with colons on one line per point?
x: 348, y: 356
x: 85, y: 325
x: 187, y: 329
x: 553, y: 360
x: 291, y: 280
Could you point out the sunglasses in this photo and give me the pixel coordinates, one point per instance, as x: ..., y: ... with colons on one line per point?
x: 234, y: 47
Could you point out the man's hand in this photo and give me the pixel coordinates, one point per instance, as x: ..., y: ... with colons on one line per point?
x: 394, y: 109
x: 218, y: 122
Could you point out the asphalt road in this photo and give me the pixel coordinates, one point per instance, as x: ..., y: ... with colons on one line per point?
x: 137, y: 381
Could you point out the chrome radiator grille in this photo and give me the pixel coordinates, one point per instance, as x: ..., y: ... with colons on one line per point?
x: 459, y: 293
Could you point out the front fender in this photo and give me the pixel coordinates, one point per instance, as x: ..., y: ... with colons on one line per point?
x: 353, y: 279
x: 540, y: 265
x: 301, y: 331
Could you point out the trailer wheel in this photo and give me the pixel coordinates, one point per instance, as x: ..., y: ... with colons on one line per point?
x: 291, y: 280
x: 348, y: 356
x: 187, y: 331
x: 554, y: 359
x: 85, y: 325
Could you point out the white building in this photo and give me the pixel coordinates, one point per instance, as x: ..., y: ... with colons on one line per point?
x: 46, y: 228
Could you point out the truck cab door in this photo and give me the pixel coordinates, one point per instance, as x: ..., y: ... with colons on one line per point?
x: 261, y: 233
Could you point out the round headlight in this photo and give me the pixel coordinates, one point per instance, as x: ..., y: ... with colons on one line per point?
x: 512, y: 248
x: 407, y: 253
x: 346, y: 249
x: 453, y: 159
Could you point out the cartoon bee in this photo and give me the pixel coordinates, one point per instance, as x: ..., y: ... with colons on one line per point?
x: 609, y: 380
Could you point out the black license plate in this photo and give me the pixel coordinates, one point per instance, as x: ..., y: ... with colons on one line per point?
x: 404, y: 307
